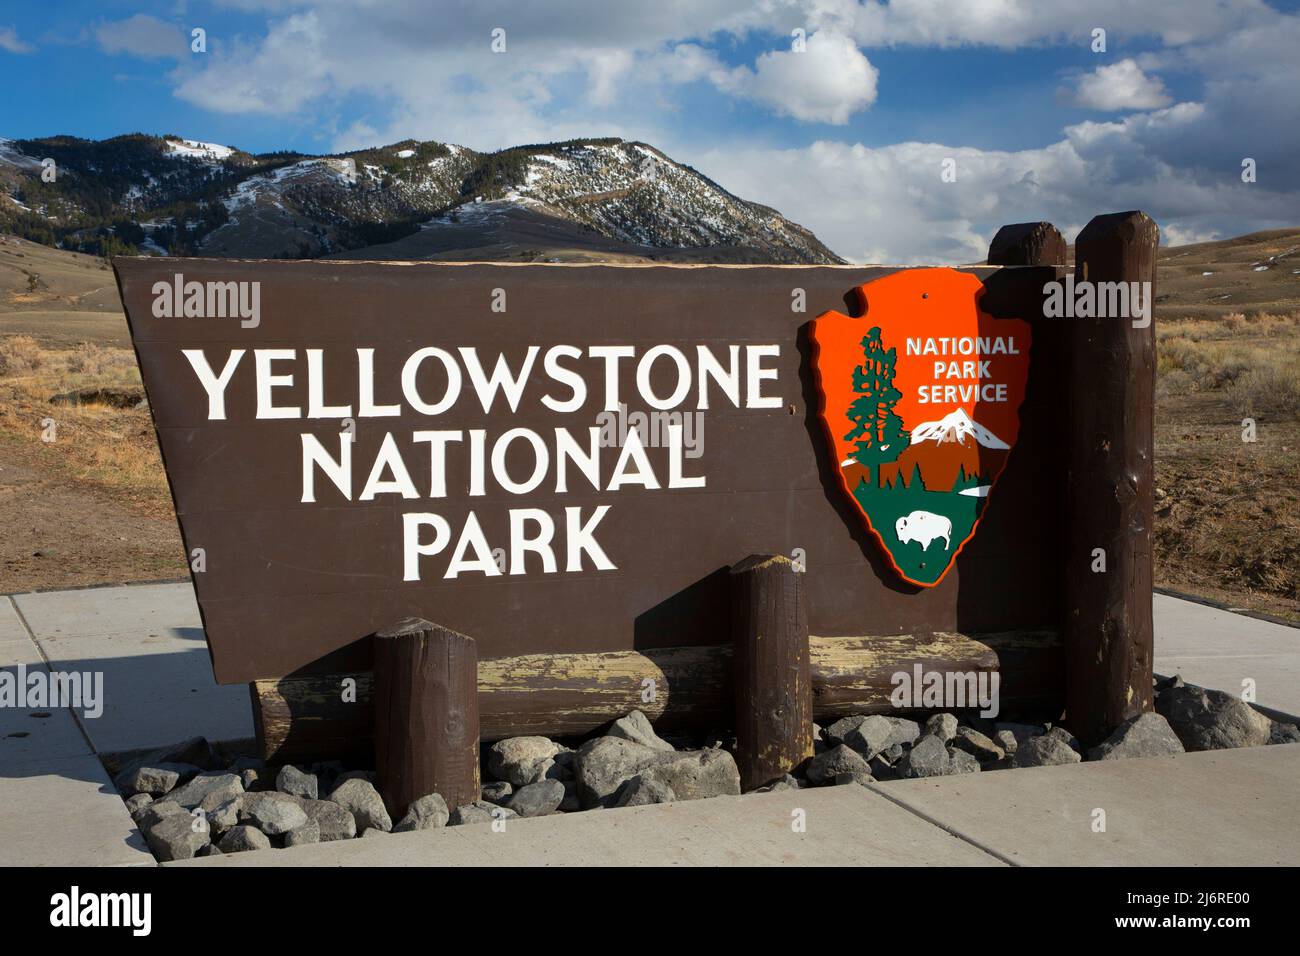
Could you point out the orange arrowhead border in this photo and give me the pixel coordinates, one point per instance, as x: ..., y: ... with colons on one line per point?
x: 890, y: 295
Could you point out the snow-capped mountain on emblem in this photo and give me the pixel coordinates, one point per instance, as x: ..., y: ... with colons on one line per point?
x: 955, y: 426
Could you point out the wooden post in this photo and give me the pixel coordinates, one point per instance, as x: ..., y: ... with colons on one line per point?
x: 1111, y: 482
x: 773, y: 669
x: 1027, y: 244
x: 426, y: 715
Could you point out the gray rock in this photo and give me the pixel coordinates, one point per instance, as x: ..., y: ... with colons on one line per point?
x: 272, y: 817
x: 834, y: 734
x: 1010, y: 735
x: 862, y: 777
x: 977, y: 745
x: 636, y: 727
x: 177, y: 837
x: 537, y: 799
x: 210, y: 850
x: 294, y: 782
x: 905, y: 731
x: 824, y: 768
x: 219, y: 782
x: 195, y: 752
x: 137, y: 803
x: 1070, y: 740
x: 1007, y: 741
x: 154, y: 779
x: 479, y: 812
x: 335, y: 823
x: 943, y: 726
x: 785, y: 782
x: 604, y: 763
x: 697, y: 774
x: 372, y: 832
x: 225, y: 815
x: 308, y: 832
x: 360, y: 798
x: 1280, y: 733
x: 1212, y: 719
x: 1049, y: 750
x: 239, y: 839
x: 427, y: 813
x: 641, y: 791
x: 522, y: 760
x: 497, y: 792
x: 157, y: 811
x: 927, y: 758
x: 960, y: 761
x: 871, y: 736
x: 1146, y: 735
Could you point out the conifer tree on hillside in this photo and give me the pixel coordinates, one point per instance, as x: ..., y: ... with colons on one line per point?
x: 877, y: 428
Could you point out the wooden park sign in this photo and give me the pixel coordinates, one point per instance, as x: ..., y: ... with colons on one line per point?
x: 565, y: 464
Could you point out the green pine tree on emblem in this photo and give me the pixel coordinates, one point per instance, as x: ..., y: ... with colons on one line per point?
x: 877, y: 429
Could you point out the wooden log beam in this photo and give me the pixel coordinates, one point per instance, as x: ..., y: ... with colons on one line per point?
x: 324, y: 717
x: 1111, y: 483
x: 426, y: 727
x: 1028, y: 244
x: 772, y: 671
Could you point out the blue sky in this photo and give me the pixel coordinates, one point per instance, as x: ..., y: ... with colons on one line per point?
x: 847, y: 135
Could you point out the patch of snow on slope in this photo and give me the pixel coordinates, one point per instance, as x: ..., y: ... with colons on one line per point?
x: 194, y: 149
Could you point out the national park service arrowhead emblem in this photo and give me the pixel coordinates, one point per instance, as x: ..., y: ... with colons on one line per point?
x: 921, y: 400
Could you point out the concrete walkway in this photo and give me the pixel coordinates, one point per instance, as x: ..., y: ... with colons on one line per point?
x: 1156, y: 814
x: 1219, y: 649
x: 58, y: 807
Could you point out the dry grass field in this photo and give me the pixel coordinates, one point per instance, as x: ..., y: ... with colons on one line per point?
x: 92, y: 506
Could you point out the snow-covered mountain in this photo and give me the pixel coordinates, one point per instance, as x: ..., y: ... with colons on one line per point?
x: 956, y: 426
x: 182, y: 196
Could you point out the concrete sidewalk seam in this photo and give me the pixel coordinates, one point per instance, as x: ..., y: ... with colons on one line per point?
x: 951, y: 831
x: 31, y: 636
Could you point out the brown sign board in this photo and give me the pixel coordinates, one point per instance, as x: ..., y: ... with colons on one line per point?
x: 360, y: 444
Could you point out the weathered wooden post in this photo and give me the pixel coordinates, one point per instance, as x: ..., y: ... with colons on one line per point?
x: 1111, y: 478
x: 1027, y: 244
x: 426, y: 714
x: 773, y: 670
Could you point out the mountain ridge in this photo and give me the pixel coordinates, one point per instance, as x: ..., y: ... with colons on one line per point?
x: 139, y: 193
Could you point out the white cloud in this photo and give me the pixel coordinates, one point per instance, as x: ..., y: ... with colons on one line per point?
x: 1120, y: 86
x: 281, y: 75
x: 143, y: 36
x: 9, y: 41
x: 1009, y: 24
x: 890, y: 204
x: 827, y: 82
x: 576, y: 68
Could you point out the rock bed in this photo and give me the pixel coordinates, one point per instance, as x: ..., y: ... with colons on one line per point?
x: 193, y: 799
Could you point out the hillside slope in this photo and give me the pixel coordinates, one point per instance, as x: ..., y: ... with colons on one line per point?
x: 166, y: 195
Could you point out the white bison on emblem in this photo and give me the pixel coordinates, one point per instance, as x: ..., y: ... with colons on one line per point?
x: 923, y: 527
